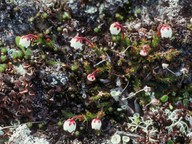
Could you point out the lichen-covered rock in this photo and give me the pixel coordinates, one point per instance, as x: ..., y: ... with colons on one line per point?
x: 22, y: 135
x: 14, y: 20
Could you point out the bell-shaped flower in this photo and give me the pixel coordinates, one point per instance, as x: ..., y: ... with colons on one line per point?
x: 143, y: 53
x: 25, y: 41
x: 69, y: 125
x: 96, y: 124
x: 91, y: 77
x: 76, y: 43
x: 165, y: 31
x: 115, y: 28
x: 145, y: 49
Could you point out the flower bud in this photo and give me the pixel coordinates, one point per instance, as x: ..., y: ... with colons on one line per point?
x: 69, y: 125
x: 96, y: 124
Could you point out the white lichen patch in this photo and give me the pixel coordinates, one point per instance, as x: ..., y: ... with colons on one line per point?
x: 20, y: 70
x: 22, y: 136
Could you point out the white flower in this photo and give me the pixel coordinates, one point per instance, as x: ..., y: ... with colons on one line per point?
x: 25, y: 41
x: 69, y: 125
x: 184, y: 71
x: 165, y: 66
x: 76, y: 43
x: 166, y: 31
x: 125, y: 139
x: 147, y: 89
x: 115, y: 93
x: 115, y: 28
x: 143, y: 52
x: 96, y: 124
x: 115, y: 139
x: 91, y: 77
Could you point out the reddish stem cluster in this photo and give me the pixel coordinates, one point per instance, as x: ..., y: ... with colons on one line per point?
x: 30, y: 36
x: 80, y: 39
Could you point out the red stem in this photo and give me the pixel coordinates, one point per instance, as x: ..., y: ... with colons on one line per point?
x: 93, y: 73
x: 31, y: 36
x: 122, y: 29
x: 79, y: 117
x: 88, y: 41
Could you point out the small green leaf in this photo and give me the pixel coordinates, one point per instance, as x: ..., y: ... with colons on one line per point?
x: 17, y: 39
x: 59, y: 124
x: 2, y: 67
x: 14, y: 55
x: 28, y: 52
x: 155, y: 41
x: 173, y: 93
x: 169, y: 142
x: 170, y: 107
x: 67, y: 114
x: 186, y: 102
x: 3, y: 50
x: 29, y: 124
x: 164, y: 98
x: 74, y: 67
x: 85, y: 118
x: 20, y: 54
x: 186, y: 94
x: 96, y: 29
x: 40, y: 125
x: 3, y: 58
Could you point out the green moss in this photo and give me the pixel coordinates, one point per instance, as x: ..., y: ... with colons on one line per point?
x: 119, y: 17
x: 74, y: 66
